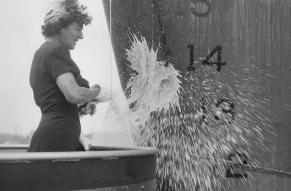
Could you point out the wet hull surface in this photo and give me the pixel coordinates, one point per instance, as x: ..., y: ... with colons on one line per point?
x: 255, y: 41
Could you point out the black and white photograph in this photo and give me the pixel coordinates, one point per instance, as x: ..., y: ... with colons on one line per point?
x: 145, y: 95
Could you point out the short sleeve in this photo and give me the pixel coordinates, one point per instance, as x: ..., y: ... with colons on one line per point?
x: 59, y: 62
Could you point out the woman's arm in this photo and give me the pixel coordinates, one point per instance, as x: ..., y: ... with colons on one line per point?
x: 73, y: 92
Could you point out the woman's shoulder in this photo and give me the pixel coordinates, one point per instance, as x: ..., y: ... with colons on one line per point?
x: 52, y: 49
x: 55, y: 57
x: 49, y: 51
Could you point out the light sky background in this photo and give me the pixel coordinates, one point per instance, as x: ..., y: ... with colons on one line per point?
x: 20, y: 36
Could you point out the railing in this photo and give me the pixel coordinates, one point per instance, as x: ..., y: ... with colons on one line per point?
x: 101, y: 167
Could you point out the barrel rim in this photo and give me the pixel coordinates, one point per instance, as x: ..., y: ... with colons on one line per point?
x: 77, y: 155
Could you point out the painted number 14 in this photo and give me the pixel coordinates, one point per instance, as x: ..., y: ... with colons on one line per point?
x: 208, y: 59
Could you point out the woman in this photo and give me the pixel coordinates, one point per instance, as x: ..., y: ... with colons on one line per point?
x: 56, y: 82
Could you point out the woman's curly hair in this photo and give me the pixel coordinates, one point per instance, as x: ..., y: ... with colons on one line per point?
x: 74, y: 13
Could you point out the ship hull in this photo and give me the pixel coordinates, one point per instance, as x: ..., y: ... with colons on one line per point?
x: 254, y: 40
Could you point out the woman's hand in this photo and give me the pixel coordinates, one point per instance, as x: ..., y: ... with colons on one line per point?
x: 104, y: 95
x: 95, y: 87
x: 89, y: 108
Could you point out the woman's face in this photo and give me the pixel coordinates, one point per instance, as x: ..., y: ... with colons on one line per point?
x: 70, y: 35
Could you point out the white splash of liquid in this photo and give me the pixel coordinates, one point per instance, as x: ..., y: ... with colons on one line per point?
x: 155, y: 86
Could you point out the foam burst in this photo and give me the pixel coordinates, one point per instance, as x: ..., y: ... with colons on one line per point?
x: 153, y: 86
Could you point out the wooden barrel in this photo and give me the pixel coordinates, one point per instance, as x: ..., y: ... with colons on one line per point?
x: 101, y: 169
x: 247, y: 37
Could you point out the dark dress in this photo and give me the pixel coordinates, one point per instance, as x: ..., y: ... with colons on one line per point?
x: 59, y: 128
